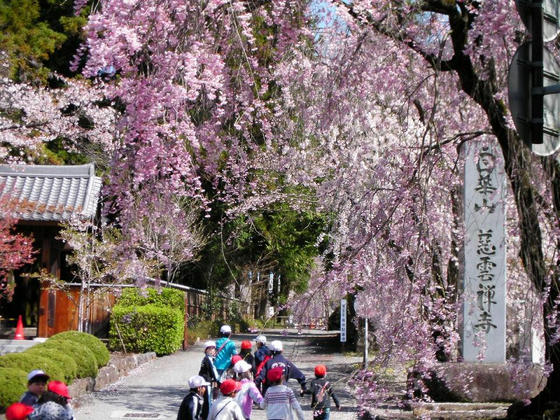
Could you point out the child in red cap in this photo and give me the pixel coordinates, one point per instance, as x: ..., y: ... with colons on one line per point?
x: 226, y: 407
x: 229, y: 373
x: 279, y: 400
x: 54, y: 404
x: 245, y: 353
x: 18, y: 411
x: 321, y: 391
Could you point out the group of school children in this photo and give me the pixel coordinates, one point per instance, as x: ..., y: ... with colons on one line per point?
x: 229, y: 384
x: 43, y: 400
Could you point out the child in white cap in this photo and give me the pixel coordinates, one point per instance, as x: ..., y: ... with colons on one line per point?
x: 290, y: 370
x: 261, y: 355
x: 209, y: 373
x: 249, y: 392
x: 192, y: 407
x: 225, y: 348
x: 36, y: 386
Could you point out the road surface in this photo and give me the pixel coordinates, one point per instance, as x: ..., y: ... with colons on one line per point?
x: 155, y: 390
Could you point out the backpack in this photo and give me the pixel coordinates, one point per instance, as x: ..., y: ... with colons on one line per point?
x: 261, y: 365
x: 320, y: 392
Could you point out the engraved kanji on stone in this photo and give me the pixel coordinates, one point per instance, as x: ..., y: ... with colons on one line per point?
x: 485, y: 265
x: 491, y: 207
x: 485, y: 276
x: 485, y: 246
x: 485, y: 297
x: 485, y: 166
x: 485, y: 322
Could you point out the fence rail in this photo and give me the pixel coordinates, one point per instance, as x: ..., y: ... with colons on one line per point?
x: 59, y: 306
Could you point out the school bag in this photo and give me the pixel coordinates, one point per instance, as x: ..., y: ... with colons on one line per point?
x: 320, y: 393
x: 261, y: 365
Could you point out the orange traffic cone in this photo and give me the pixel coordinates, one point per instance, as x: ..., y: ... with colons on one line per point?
x: 19, y: 330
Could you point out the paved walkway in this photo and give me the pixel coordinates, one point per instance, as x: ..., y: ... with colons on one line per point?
x: 155, y: 390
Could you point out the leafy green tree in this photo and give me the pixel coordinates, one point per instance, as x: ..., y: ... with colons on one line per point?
x: 38, y: 36
x: 277, y: 239
x: 290, y: 239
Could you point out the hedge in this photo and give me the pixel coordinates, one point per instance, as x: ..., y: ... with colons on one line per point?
x: 82, y: 355
x: 146, y: 328
x: 64, y: 357
x: 13, y: 383
x: 67, y: 362
x: 163, y: 297
x: 99, y: 349
x: 28, y: 362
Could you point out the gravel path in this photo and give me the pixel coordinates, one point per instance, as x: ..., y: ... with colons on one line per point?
x: 155, y: 390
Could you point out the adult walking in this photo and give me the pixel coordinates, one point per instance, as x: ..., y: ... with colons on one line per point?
x: 225, y: 348
x: 278, y: 360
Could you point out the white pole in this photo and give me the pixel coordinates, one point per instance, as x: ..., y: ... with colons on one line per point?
x: 366, y: 343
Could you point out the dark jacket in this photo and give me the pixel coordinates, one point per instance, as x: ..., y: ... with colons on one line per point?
x: 260, y: 354
x: 191, y: 407
x: 315, y: 388
x: 249, y: 358
x: 290, y: 370
x: 207, y: 370
x: 28, y: 398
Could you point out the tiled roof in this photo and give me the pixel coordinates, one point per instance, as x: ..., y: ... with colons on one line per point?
x: 51, y: 193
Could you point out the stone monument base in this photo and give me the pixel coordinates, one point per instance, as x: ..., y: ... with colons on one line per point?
x: 486, y: 382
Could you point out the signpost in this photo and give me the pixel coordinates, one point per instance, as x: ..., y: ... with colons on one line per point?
x: 533, y: 79
x: 343, y: 320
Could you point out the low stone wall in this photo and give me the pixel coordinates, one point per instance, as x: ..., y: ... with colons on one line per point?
x: 119, y: 365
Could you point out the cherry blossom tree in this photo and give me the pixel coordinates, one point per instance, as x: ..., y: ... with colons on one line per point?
x: 440, y: 66
x: 193, y: 79
x: 167, y: 232
x: 31, y: 116
x: 369, y: 111
x: 16, y: 249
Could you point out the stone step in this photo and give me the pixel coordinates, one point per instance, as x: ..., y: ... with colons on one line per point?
x: 461, y: 411
x: 444, y: 411
x: 8, y: 333
x: 17, y: 346
x: 454, y: 406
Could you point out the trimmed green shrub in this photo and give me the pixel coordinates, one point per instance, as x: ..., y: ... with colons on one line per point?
x: 146, y: 328
x: 99, y: 349
x: 164, y: 297
x: 82, y: 355
x: 68, y: 364
x: 13, y: 383
x: 28, y: 362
